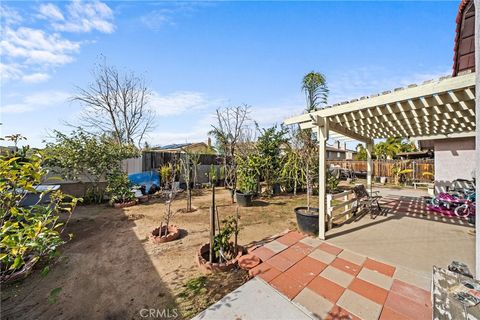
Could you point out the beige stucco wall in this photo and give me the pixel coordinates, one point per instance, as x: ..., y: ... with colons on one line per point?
x: 454, y: 159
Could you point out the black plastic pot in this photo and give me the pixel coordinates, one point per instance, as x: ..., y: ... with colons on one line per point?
x: 276, y: 189
x: 244, y: 199
x: 307, y: 220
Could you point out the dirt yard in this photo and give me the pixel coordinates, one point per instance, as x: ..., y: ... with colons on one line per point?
x: 110, y: 270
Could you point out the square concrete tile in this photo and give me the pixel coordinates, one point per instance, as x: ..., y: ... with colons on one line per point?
x: 338, y: 276
x: 359, y: 305
x: 377, y: 278
x: 330, y: 249
x: 415, y: 278
x: 378, y: 266
x: 303, y: 248
x: 368, y: 290
x: 322, y: 256
x: 407, y: 307
x: 346, y: 266
x: 305, y: 270
x: 275, y: 246
x: 326, y: 288
x: 311, y: 241
x: 263, y: 253
x: 265, y: 271
x: 280, y: 262
x: 352, y: 257
x: 319, y: 306
x: 287, y: 286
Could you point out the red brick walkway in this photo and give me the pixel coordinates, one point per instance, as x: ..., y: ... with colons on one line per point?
x: 333, y: 283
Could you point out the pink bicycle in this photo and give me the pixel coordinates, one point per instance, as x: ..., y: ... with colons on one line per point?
x: 450, y: 205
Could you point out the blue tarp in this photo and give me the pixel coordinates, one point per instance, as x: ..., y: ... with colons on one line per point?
x: 146, y: 179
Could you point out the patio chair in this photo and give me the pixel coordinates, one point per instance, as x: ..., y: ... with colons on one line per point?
x: 365, y: 200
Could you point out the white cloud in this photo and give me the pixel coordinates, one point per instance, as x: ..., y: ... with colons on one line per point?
x: 352, y: 84
x: 36, y: 101
x: 268, y: 116
x: 86, y: 17
x: 35, y: 77
x: 9, y: 72
x: 29, y: 54
x: 169, y: 11
x: 50, y: 11
x: 180, y: 102
x: 34, y: 46
x: 157, y: 19
x: 9, y: 16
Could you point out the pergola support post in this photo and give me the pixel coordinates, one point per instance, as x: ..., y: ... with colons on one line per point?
x: 369, y: 149
x: 322, y: 136
x: 477, y: 140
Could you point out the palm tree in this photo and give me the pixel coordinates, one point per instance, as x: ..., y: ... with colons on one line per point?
x: 315, y: 87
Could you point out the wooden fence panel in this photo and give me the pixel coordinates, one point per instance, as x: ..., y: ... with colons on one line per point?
x: 385, y: 168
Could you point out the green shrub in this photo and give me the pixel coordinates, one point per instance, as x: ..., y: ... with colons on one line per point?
x: 119, y: 188
x: 28, y: 233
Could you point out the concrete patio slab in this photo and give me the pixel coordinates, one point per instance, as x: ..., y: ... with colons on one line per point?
x: 322, y: 256
x: 254, y: 300
x: 408, y: 235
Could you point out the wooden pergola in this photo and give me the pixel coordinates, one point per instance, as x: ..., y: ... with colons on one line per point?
x: 443, y: 108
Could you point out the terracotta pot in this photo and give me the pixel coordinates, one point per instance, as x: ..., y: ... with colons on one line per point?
x: 208, y: 267
x: 173, y: 234
x: 120, y: 205
x: 248, y: 261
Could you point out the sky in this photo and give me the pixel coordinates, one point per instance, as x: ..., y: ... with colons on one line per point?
x: 199, y: 56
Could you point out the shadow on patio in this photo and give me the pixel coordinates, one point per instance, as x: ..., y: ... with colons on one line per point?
x: 406, y: 233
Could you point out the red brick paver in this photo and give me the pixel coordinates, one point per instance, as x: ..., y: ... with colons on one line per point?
x: 381, y: 267
x: 330, y: 249
x: 265, y: 271
x: 368, y: 290
x: 326, y: 288
x: 286, y: 285
x: 263, y: 253
x: 346, y: 266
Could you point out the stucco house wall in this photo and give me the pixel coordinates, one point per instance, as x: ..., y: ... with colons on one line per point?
x: 454, y: 159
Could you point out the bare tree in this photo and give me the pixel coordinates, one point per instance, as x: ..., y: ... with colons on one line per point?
x: 117, y: 104
x: 228, y: 132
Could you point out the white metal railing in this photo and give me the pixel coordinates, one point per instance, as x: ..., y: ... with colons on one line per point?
x: 348, y: 204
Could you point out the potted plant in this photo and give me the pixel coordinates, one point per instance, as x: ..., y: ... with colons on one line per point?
x: 167, y: 232
x: 165, y: 174
x: 247, y: 175
x: 119, y: 189
x: 316, y: 92
x: 226, y: 251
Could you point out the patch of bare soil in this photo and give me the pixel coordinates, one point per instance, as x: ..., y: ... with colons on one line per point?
x: 110, y: 270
